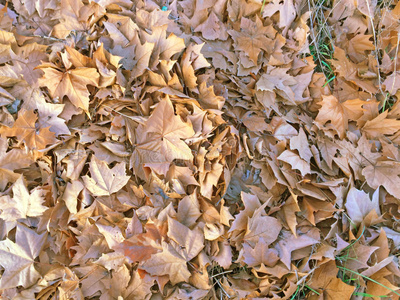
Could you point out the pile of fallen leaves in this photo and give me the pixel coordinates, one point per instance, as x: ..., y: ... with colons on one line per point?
x: 189, y: 150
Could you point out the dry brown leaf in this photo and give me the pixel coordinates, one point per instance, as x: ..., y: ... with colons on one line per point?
x: 290, y: 243
x: 165, y: 46
x: 11, y: 160
x: 380, y: 126
x: 260, y: 254
x: 261, y: 226
x: 25, y: 130
x: 300, y: 143
x: 159, y: 140
x: 295, y: 161
x: 168, y: 262
x: 253, y: 38
x: 338, y: 114
x: 18, y: 258
x: 105, y: 181
x: 384, y: 173
x: 254, y: 171
x: 23, y: 204
x: 358, y: 205
x: 72, y: 83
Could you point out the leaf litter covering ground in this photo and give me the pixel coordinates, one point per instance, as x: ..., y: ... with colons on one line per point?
x: 190, y: 150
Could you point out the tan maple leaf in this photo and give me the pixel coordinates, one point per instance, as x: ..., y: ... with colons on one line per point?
x: 324, y: 278
x: 251, y: 204
x: 347, y: 69
x: 159, y: 140
x: 189, y: 242
x: 105, y: 181
x: 338, y: 114
x: 295, y: 161
x: 392, y: 83
x: 185, y: 245
x: 142, y: 58
x: 358, y: 205
x: 70, y: 18
x: 384, y: 173
x: 164, y: 47
x: 289, y: 243
x: 48, y: 117
x: 168, y: 262
x: 260, y: 254
x: 300, y: 143
x: 18, y: 258
x: 23, y: 204
x: 380, y: 126
x: 26, y: 59
x: 261, y: 226
x: 253, y: 37
x: 71, y: 83
x: 11, y: 160
x: 25, y: 130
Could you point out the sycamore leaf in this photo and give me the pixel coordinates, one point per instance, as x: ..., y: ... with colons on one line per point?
x: 190, y: 242
x: 168, y: 262
x: 71, y: 83
x: 252, y: 38
x: 338, y: 114
x: 324, y: 278
x: 185, y: 245
x: 188, y: 210
x: 392, y: 83
x: 105, y: 181
x: 77, y: 59
x: 290, y: 243
x: 139, y: 286
x: 251, y: 204
x: 358, y: 205
x: 159, y: 140
x: 141, y: 246
x: 124, y: 28
x: 70, y: 18
x: 384, y: 173
x: 48, y: 117
x: 347, y: 69
x: 262, y: 226
x: 23, y: 204
x: 359, y: 255
x: 212, y: 28
x: 18, y: 258
x: 380, y: 126
x: 300, y: 143
x: 359, y: 44
x: 166, y: 47
x: 11, y: 160
x: 142, y: 58
x: 394, y: 235
x: 295, y: 161
x: 278, y: 81
x: 25, y: 64
x: 260, y: 254
x: 112, y: 260
x: 25, y: 130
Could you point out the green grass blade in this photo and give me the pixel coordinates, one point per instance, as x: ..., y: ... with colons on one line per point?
x: 370, y: 279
